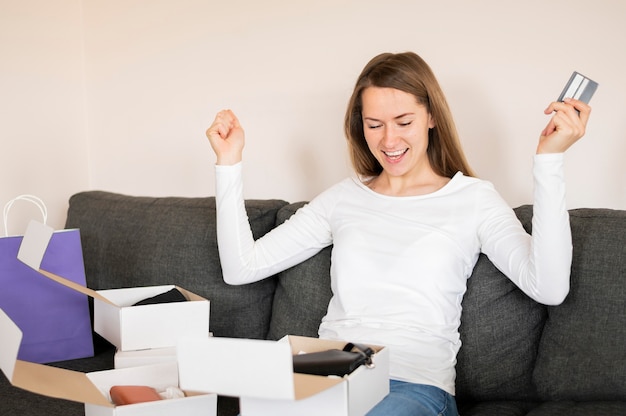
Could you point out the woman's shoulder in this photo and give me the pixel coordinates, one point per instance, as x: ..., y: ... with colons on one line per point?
x: 347, y: 183
x: 340, y: 189
x: 460, y: 182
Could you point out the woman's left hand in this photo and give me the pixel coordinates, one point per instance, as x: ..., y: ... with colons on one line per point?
x: 566, y: 126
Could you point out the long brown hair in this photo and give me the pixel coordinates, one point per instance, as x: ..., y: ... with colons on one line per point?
x: 409, y: 73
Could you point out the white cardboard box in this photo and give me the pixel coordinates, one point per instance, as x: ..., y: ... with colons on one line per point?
x: 126, y: 359
x: 92, y: 388
x: 123, y: 325
x: 132, y: 328
x: 261, y: 374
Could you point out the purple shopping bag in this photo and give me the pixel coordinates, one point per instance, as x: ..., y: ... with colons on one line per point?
x: 54, y: 319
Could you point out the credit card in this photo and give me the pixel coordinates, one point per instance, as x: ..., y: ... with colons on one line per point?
x: 579, y: 87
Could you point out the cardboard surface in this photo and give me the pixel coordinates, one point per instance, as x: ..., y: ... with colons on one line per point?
x: 40, y: 378
x: 58, y: 383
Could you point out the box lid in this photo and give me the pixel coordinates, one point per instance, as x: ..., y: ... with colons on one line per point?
x: 40, y: 378
x: 245, y: 368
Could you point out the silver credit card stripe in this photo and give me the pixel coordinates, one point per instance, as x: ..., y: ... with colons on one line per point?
x: 573, y: 87
x: 581, y: 90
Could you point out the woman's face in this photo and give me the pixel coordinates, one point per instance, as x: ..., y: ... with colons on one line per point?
x: 396, y: 130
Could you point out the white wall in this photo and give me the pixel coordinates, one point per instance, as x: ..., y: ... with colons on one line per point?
x: 43, y: 145
x: 156, y: 71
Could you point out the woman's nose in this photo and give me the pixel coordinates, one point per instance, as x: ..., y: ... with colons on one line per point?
x: 389, y: 136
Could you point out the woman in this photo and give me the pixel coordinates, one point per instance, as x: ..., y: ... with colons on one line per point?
x: 408, y: 231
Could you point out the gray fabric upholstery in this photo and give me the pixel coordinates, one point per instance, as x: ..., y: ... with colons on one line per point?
x: 578, y: 408
x: 293, y: 313
x: 500, y: 330
x: 496, y: 408
x: 142, y: 241
x: 584, y: 340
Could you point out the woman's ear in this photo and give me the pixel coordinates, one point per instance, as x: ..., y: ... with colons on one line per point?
x: 431, y: 121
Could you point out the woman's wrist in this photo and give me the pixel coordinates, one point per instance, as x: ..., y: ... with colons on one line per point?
x: 228, y: 160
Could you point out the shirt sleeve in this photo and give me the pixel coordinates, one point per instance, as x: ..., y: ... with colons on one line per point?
x: 245, y: 260
x: 540, y: 263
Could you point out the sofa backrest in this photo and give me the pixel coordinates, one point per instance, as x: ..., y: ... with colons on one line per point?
x: 500, y: 330
x: 302, y: 292
x: 141, y: 241
x: 582, y: 354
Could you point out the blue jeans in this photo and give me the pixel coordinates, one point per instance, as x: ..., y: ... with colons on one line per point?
x: 410, y: 399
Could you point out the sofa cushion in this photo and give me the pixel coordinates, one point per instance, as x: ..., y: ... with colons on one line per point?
x: 576, y: 408
x: 582, y: 352
x: 500, y: 329
x: 495, y: 408
x: 142, y: 241
x: 302, y: 293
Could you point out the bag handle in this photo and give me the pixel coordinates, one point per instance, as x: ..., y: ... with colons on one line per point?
x: 30, y: 198
x: 364, y: 350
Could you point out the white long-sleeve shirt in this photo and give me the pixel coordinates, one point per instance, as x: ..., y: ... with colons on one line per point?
x: 400, y: 265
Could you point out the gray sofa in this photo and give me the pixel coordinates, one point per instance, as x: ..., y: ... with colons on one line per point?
x: 517, y: 358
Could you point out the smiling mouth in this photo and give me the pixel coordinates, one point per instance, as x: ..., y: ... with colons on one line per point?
x: 395, y: 154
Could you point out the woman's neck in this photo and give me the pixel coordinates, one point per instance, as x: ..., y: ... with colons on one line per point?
x: 424, y: 183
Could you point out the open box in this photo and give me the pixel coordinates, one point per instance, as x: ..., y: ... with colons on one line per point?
x: 132, y: 328
x: 115, y: 319
x: 261, y: 374
x: 92, y: 388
